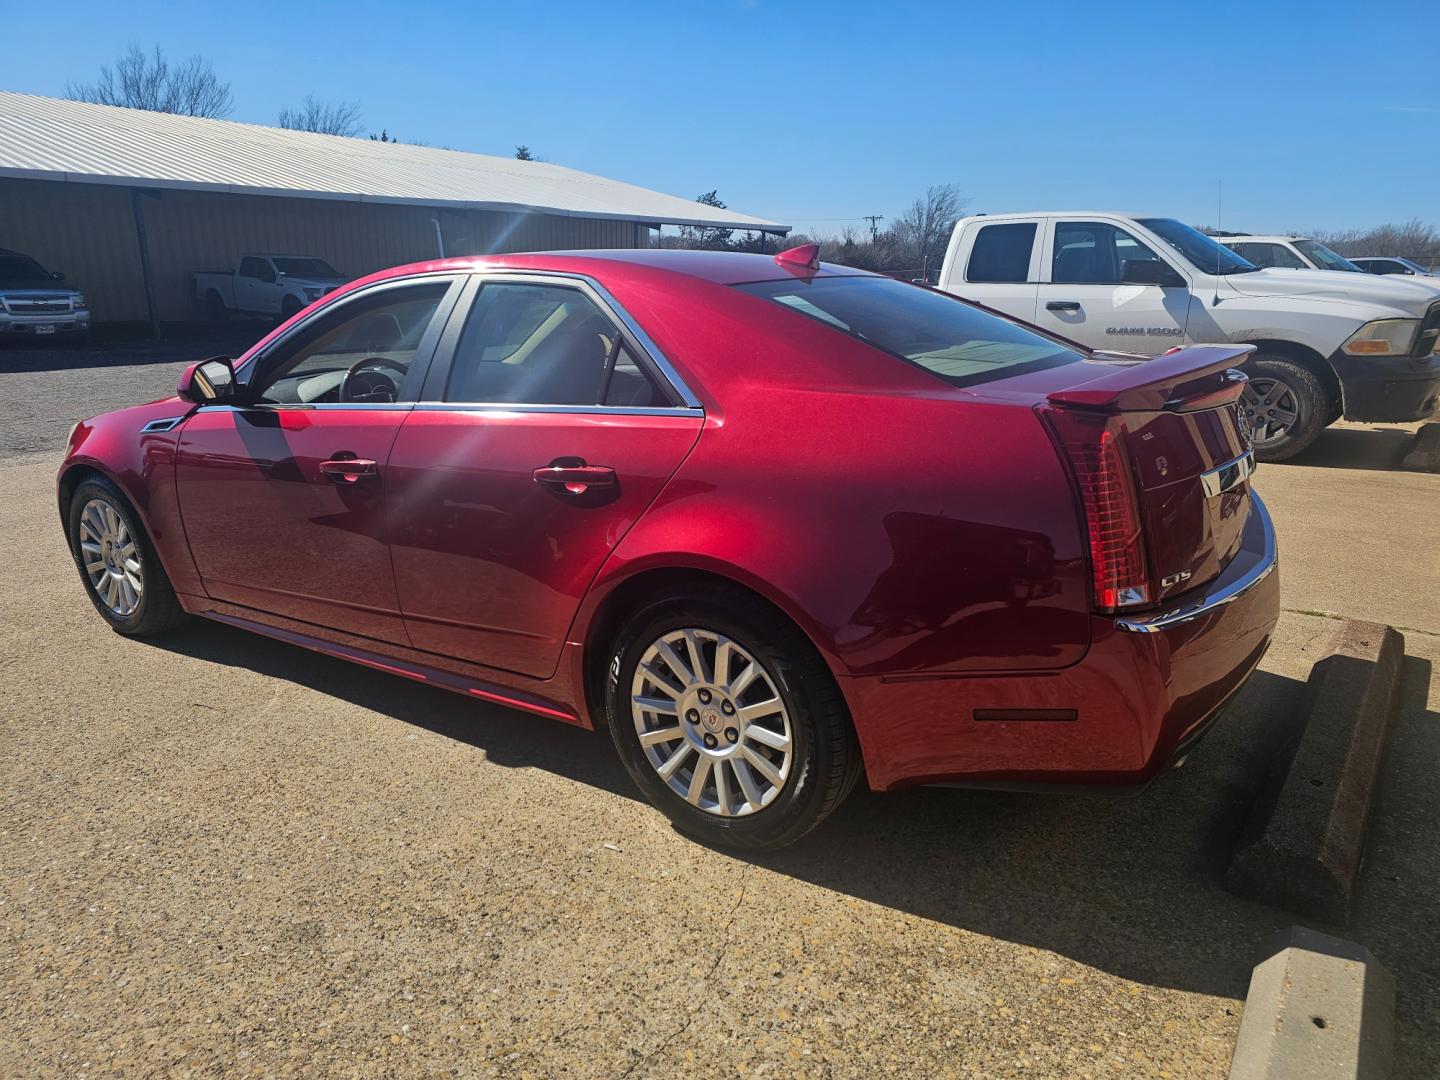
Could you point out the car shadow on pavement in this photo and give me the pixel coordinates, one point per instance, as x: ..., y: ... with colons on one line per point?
x: 1130, y: 885
x: 1375, y: 448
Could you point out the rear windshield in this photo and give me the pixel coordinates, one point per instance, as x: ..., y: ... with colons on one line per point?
x: 946, y: 336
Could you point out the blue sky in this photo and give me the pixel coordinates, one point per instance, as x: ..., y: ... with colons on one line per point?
x: 818, y: 113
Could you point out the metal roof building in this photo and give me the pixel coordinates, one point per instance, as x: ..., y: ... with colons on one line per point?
x: 84, y: 187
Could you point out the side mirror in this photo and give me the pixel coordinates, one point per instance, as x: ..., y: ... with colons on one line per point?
x: 1149, y: 272
x: 57, y: 276
x: 208, y: 381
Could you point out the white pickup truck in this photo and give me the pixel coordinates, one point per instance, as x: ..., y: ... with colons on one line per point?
x: 1328, y: 343
x: 266, y: 285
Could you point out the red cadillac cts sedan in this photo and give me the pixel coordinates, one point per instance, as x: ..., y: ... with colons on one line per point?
x: 776, y: 524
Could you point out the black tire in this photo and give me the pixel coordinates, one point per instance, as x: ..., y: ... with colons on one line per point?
x: 215, y: 310
x: 1296, y: 385
x: 825, y: 760
x: 157, y: 608
x: 289, y: 308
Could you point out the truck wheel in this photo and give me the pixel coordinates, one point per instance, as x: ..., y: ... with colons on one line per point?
x: 1285, y: 406
x: 215, y: 309
x: 289, y: 308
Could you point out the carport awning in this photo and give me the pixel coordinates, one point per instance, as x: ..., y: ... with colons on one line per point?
x: 50, y: 139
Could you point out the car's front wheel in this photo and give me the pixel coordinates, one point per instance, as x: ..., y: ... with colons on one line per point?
x: 729, y: 721
x: 117, y: 562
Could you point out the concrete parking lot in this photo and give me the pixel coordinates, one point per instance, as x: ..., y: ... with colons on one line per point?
x: 221, y: 855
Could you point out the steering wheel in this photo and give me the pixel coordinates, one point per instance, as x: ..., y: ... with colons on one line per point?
x: 364, y: 381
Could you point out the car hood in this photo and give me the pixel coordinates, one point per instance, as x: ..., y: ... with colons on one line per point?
x: 1338, y: 284
x: 35, y: 292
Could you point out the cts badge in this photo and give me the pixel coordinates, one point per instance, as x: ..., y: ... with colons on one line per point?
x: 1174, y: 579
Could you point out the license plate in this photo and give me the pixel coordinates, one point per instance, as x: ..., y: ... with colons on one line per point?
x: 45, y: 328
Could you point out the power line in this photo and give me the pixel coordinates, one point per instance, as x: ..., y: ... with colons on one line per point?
x: 874, y: 220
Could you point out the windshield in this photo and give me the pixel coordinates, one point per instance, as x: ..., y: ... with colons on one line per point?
x: 1204, y: 253
x: 946, y: 336
x: 313, y: 268
x: 1412, y: 265
x: 21, y: 268
x: 1324, y: 258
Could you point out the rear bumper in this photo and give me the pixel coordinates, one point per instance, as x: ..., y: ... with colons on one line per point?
x: 1388, y: 389
x: 1143, y: 693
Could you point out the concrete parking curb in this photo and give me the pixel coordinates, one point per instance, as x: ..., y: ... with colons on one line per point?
x: 1303, y: 844
x: 1424, y: 452
x: 1319, y: 1008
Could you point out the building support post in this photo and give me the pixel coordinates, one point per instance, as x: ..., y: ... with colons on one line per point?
x: 136, y: 194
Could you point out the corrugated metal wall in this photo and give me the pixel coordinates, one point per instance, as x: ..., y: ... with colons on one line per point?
x: 88, y: 231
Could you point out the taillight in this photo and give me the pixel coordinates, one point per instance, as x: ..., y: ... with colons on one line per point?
x: 1093, y: 442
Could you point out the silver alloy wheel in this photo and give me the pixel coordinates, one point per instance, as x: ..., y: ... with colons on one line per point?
x: 1271, y: 408
x: 712, y: 722
x: 111, y: 557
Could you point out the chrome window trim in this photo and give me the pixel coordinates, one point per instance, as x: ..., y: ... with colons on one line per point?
x: 1220, y: 595
x: 589, y: 410
x: 614, y: 309
x: 301, y: 406
x: 1224, y: 477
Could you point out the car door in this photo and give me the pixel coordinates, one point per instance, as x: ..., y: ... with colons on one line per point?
x: 999, y: 267
x: 1081, y: 294
x: 254, y: 286
x: 547, y: 426
x: 284, y: 501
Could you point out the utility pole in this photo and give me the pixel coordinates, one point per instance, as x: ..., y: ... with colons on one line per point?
x: 873, y: 219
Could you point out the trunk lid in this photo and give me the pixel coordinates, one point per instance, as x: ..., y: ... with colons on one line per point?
x: 1182, y: 449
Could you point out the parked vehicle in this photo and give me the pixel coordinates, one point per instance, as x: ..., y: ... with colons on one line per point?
x: 33, y: 303
x: 1328, y: 344
x: 1386, y: 264
x: 279, y: 285
x: 1287, y: 253
x: 774, y: 523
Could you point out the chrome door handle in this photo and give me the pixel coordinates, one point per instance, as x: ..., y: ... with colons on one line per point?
x: 574, y: 479
x: 349, y: 470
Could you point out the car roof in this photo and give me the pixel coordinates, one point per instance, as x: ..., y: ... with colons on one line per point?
x: 719, y: 267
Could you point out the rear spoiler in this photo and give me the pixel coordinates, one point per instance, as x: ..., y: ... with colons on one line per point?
x: 1181, y: 380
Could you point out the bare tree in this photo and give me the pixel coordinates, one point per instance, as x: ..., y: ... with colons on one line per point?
x: 922, y: 231
x: 141, y: 80
x: 323, y: 117
x: 1414, y: 239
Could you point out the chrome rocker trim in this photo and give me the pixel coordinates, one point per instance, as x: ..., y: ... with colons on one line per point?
x: 1223, y: 592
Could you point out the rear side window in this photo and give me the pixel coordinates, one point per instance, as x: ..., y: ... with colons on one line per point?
x: 946, y: 336
x: 545, y: 345
x: 1001, y: 253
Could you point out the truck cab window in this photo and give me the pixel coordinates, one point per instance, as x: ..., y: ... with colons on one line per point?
x: 1091, y: 253
x: 258, y: 269
x: 1001, y: 253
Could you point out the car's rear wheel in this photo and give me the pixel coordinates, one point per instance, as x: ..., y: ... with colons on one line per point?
x: 729, y: 721
x: 215, y: 310
x: 1285, y: 406
x: 117, y: 562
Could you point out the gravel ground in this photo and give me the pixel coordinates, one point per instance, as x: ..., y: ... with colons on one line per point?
x: 220, y: 856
